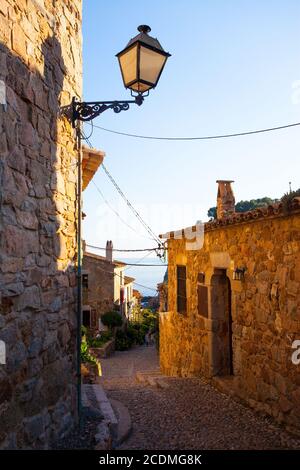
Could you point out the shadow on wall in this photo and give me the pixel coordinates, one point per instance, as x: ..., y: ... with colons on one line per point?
x: 37, y: 249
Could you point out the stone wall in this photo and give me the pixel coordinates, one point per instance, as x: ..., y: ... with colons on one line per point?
x: 264, y: 308
x: 40, y: 72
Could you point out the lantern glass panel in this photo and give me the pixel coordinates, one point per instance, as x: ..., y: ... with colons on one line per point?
x: 141, y: 87
x: 128, y: 64
x: 151, y: 65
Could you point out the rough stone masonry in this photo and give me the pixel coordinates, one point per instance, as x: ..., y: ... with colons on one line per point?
x: 40, y: 72
x: 238, y: 332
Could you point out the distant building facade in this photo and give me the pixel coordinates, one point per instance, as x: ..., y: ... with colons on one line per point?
x: 105, y: 287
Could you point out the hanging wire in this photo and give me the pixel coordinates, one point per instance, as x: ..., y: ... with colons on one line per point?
x: 139, y: 260
x: 207, y: 137
x: 123, y: 251
x: 138, y: 216
x: 116, y: 213
x: 138, y: 263
x: 145, y: 265
x: 135, y: 283
x: 92, y: 131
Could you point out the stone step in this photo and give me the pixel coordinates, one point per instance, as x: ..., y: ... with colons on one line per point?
x: 153, y: 378
x: 161, y: 383
x: 94, y: 396
x: 124, y: 422
x: 142, y: 377
x: 150, y: 372
x: 225, y: 384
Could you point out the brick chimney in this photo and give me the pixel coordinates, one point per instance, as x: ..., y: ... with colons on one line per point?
x: 109, y: 251
x: 225, y: 199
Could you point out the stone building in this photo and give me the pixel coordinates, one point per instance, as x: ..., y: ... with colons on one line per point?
x: 105, y: 287
x: 162, y: 289
x: 234, y: 306
x: 40, y: 72
x: 129, y: 298
x: 137, y: 297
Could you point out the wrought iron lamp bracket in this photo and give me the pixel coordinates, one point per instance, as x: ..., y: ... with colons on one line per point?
x: 86, y: 111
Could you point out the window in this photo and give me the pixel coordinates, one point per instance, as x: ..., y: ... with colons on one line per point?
x: 86, y: 318
x: 181, y: 289
x: 202, y: 301
x: 85, y: 281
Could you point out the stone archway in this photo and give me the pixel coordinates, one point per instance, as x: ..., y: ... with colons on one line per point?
x: 222, y: 350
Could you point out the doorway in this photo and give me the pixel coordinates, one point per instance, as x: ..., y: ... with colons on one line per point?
x: 222, y: 348
x: 86, y: 318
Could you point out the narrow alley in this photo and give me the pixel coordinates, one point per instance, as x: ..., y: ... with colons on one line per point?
x: 182, y: 413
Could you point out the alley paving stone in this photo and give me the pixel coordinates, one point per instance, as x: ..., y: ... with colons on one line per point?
x: 189, y: 414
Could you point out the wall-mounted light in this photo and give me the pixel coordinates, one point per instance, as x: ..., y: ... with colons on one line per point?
x: 141, y: 63
x: 239, y: 274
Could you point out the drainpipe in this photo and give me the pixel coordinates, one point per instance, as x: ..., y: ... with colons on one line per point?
x: 79, y: 281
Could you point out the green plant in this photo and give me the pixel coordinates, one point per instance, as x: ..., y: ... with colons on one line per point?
x: 150, y: 320
x: 83, y: 330
x: 106, y: 335
x: 244, y: 206
x: 123, y: 341
x: 287, y: 199
x: 136, y: 332
x: 112, y: 319
x: 84, y: 352
x: 99, y: 342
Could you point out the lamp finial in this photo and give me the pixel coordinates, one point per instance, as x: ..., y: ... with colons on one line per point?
x: 144, y: 28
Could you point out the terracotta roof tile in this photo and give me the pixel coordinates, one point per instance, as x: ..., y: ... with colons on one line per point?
x: 242, y: 217
x: 91, y: 160
x: 129, y: 280
x: 103, y: 258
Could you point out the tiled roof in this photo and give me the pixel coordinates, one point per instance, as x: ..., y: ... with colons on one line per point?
x: 128, y: 280
x: 273, y: 210
x: 102, y: 258
x: 91, y: 160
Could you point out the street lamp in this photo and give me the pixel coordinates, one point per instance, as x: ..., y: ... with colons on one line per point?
x: 141, y: 63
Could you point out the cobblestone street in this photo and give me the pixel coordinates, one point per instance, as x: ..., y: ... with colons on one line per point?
x: 186, y: 413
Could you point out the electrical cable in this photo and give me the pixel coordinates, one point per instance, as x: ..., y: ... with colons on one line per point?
x: 145, y: 225
x: 115, y: 212
x: 139, y: 260
x: 92, y: 131
x: 136, y: 283
x: 123, y: 251
x: 152, y: 265
x: 207, y: 137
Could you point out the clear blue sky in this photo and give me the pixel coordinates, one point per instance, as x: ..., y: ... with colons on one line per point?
x: 233, y: 68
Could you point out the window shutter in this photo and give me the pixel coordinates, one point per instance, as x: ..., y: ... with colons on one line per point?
x: 202, y: 301
x: 181, y: 289
x: 94, y: 318
x: 85, y: 281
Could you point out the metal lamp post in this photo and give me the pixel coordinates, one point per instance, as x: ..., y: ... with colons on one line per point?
x: 141, y: 63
